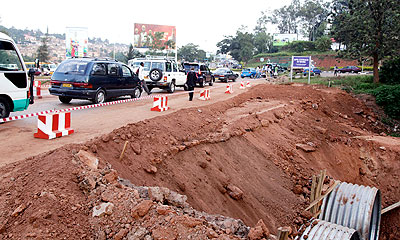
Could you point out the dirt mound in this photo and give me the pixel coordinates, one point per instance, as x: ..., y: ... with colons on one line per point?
x: 248, y: 158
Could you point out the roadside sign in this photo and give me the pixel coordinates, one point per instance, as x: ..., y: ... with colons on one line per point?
x: 301, y: 62
x: 262, y: 59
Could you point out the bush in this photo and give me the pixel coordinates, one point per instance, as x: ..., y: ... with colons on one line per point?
x: 389, y: 98
x: 323, y: 44
x: 299, y: 46
x: 390, y: 71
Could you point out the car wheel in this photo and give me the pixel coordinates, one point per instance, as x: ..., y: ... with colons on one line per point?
x: 155, y: 74
x: 212, y: 81
x: 4, y: 108
x: 251, y: 76
x: 65, y: 99
x: 100, y: 96
x: 171, y: 87
x: 202, y: 82
x: 136, y: 93
x: 352, y: 71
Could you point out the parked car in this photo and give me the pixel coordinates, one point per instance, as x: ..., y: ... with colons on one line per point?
x: 349, y: 69
x: 314, y: 71
x: 225, y: 74
x: 204, y: 74
x: 93, y: 79
x: 160, y: 72
x: 248, y: 72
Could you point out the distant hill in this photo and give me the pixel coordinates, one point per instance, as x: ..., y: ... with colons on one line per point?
x: 19, y: 35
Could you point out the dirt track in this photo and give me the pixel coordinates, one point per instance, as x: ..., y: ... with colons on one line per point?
x: 237, y: 158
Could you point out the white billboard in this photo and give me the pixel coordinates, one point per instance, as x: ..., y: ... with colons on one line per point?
x: 76, y: 42
x: 284, y: 39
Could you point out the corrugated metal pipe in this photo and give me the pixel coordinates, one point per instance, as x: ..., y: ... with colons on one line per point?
x: 322, y: 230
x: 354, y: 206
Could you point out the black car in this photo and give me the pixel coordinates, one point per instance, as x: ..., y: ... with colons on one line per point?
x: 225, y: 74
x: 93, y: 79
x: 204, y: 74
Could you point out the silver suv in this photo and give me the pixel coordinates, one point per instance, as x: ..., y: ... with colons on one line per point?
x: 160, y: 72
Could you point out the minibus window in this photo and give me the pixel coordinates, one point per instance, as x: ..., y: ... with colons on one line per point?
x: 9, y: 60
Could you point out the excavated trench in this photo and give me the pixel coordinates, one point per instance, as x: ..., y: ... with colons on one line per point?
x: 249, y: 158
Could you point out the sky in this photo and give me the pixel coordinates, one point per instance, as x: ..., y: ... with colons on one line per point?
x: 203, y: 23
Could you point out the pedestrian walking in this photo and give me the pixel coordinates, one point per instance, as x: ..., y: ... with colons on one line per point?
x: 191, y: 80
x: 335, y: 70
x: 258, y: 72
x: 141, y: 78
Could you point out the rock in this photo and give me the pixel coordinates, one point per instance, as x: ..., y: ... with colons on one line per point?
x: 136, y: 148
x: 305, y: 147
x: 203, y: 164
x: 306, y: 214
x: 382, y: 148
x: 298, y: 189
x: 103, y: 209
x: 234, y: 192
x: 164, y: 210
x: 358, y: 111
x: 259, y: 231
x: 87, y: 184
x: 315, y: 106
x: 151, y: 169
x: 181, y: 147
x: 88, y: 158
x: 141, y: 209
x: 362, y: 171
x: 111, y: 177
x: 107, y: 196
x: 321, y: 130
x: 19, y: 210
x: 174, y: 150
x: 212, y: 234
x: 137, y: 233
x: 93, y: 148
x: 176, y: 199
x: 121, y: 234
x: 264, y: 123
x: 189, y: 222
x: 105, y: 138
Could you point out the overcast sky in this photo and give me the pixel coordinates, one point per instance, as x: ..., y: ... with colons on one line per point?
x: 203, y: 23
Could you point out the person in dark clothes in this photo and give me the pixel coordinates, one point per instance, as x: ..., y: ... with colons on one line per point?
x: 191, y: 80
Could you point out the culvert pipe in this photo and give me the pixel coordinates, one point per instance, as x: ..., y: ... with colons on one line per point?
x: 322, y: 230
x: 354, y: 206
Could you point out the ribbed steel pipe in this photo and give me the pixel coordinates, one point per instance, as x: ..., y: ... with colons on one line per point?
x: 354, y: 206
x: 322, y: 230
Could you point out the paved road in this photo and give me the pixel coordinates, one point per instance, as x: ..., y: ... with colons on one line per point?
x: 17, y: 141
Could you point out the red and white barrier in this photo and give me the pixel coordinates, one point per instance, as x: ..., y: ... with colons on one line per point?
x: 37, y: 86
x: 229, y: 89
x: 54, y: 125
x: 205, y: 94
x: 248, y: 84
x: 242, y: 86
x: 160, y: 104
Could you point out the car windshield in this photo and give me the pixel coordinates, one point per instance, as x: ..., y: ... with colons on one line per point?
x: 189, y: 66
x: 72, y: 67
x: 221, y: 70
x: 9, y: 60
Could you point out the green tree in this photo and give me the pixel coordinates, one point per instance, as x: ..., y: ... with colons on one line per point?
x: 132, y: 53
x: 286, y: 17
x: 367, y: 28
x: 323, y: 44
x: 262, y: 42
x: 191, y: 52
x: 240, y: 47
x: 314, y: 15
x: 43, y: 53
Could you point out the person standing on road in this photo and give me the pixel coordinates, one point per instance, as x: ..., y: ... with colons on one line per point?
x: 191, y: 80
x: 141, y: 78
x: 335, y: 71
x: 258, y: 72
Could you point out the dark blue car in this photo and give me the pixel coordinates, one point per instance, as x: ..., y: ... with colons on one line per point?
x: 93, y: 79
x: 314, y: 71
x: 248, y: 72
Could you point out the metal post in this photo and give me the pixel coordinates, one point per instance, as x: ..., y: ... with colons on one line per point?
x: 309, y: 70
x: 291, y: 71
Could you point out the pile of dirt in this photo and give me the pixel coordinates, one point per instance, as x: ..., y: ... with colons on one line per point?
x: 248, y: 158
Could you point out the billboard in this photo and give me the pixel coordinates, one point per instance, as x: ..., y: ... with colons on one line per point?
x: 76, y: 42
x: 283, y: 39
x: 154, y: 36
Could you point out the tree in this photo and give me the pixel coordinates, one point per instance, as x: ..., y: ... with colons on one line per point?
x: 240, y: 47
x: 323, y: 44
x: 132, y: 53
x: 191, y: 52
x: 43, y: 53
x: 314, y: 15
x: 367, y: 28
x: 263, y: 42
x: 286, y: 17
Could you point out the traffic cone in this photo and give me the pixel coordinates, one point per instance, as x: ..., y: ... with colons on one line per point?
x: 160, y: 104
x: 54, y: 125
x: 205, y: 94
x: 229, y: 89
